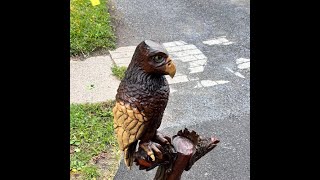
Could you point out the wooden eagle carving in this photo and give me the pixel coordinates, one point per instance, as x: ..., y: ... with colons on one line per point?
x: 141, y: 99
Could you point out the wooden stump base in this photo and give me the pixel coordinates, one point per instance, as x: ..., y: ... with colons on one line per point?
x: 183, y: 150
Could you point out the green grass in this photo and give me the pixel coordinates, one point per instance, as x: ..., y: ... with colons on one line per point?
x: 91, y: 133
x: 90, y: 27
x: 119, y: 72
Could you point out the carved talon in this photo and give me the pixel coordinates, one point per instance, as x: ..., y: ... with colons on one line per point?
x: 161, y: 139
x: 152, y: 148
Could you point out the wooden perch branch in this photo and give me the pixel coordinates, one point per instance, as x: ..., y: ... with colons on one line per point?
x: 183, y: 151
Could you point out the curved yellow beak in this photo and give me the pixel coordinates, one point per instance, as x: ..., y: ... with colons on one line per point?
x: 170, y: 68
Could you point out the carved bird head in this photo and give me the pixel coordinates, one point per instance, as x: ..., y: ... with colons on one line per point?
x: 153, y: 58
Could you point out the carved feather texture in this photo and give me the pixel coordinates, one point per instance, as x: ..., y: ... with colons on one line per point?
x: 126, y: 125
x: 140, y: 103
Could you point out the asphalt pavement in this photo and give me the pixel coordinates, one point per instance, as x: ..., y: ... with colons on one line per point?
x: 212, y: 95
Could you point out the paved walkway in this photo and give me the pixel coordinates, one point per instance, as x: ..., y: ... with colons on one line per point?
x: 92, y: 81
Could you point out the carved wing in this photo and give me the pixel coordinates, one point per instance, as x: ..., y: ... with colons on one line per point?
x: 129, y: 124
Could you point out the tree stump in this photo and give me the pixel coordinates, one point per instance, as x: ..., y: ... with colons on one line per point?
x: 183, y: 150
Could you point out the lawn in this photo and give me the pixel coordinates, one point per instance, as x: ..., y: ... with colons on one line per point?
x: 90, y: 27
x: 119, y: 71
x: 92, y: 141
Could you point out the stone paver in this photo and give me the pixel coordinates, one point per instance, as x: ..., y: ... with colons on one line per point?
x: 122, y: 55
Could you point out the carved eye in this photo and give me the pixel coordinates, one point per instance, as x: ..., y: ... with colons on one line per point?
x: 158, y: 59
